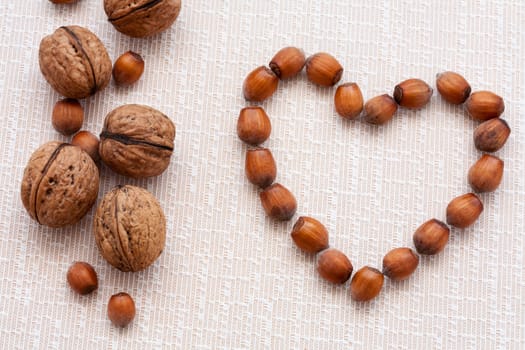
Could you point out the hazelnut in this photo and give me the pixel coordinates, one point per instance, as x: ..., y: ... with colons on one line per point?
x: 74, y: 62
x: 485, y: 175
x: 400, y: 263
x: 82, y: 278
x: 288, y: 62
x: 278, y: 202
x: 260, y: 167
x: 121, y: 309
x: 491, y: 135
x: 463, y: 210
x: 323, y: 69
x: 484, y: 105
x: 412, y: 93
x: 68, y: 116
x: 130, y: 228
x: 431, y: 237
x: 260, y: 84
x: 128, y: 68
x: 366, y: 284
x: 310, y: 235
x: 334, y: 266
x: 88, y: 143
x: 60, y: 184
x: 137, y: 141
x: 348, y: 100
x: 380, y: 109
x: 453, y: 87
x: 253, y: 125
x: 142, y: 18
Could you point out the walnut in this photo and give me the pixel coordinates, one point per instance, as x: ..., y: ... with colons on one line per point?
x: 130, y: 228
x: 74, y: 62
x: 137, y: 141
x: 60, y: 184
x: 141, y: 18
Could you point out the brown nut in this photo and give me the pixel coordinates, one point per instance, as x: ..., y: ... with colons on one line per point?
x: 412, y: 93
x: 121, y: 309
x: 334, y: 266
x: 288, y: 62
x: 82, y: 278
x: 484, y: 105
x: 260, y: 167
x: 130, y: 228
x: 137, y: 141
x: 253, y: 125
x: 323, y: 69
x: 88, y: 143
x: 491, y: 135
x: 453, y: 87
x: 431, y: 237
x: 366, y: 284
x: 310, y: 235
x: 400, y: 263
x: 485, y: 175
x: 380, y: 109
x: 348, y: 100
x: 60, y: 184
x: 74, y: 62
x: 68, y: 116
x: 278, y: 202
x: 260, y: 84
x: 128, y: 68
x: 141, y: 18
x: 464, y: 210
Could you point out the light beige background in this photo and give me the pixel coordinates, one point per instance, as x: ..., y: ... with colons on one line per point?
x: 229, y: 277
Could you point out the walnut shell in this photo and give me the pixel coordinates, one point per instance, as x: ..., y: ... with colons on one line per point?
x: 74, y: 62
x: 137, y: 141
x: 60, y: 184
x: 141, y: 18
x: 130, y: 228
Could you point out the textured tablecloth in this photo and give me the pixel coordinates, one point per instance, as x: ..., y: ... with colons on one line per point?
x: 229, y: 276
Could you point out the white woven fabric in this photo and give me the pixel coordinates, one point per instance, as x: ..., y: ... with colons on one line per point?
x: 230, y: 277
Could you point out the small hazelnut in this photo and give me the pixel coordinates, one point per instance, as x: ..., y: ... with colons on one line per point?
x: 88, y: 143
x: 253, y: 125
x: 68, y: 116
x: 260, y: 84
x: 366, y: 284
x: 288, y: 62
x: 310, y: 235
x: 400, y: 263
x: 278, y: 202
x: 128, y: 68
x: 82, y: 278
x: 121, y: 309
x: 431, y: 237
x: 348, y: 100
x: 453, y: 87
x: 323, y: 69
x: 484, y: 105
x: 334, y: 266
x: 463, y: 210
x: 491, y: 135
x: 485, y: 175
x: 380, y: 109
x: 412, y: 93
x: 260, y: 167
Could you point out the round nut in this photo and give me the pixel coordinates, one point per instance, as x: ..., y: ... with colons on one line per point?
x: 288, y: 62
x: 491, y: 135
x: 260, y: 167
x: 431, y: 237
x: 366, y: 284
x: 412, y: 93
x: 380, y: 109
x: 128, y: 68
x: 464, y: 210
x: 348, y: 100
x: 334, y: 266
x: 88, y: 143
x: 260, y: 84
x: 68, y: 116
x: 121, y: 309
x: 400, y: 263
x: 141, y: 18
x: 82, y: 278
x: 60, y: 184
x: 453, y: 87
x: 137, y: 141
x: 484, y: 105
x: 485, y: 175
x: 323, y: 69
x: 130, y: 228
x: 278, y: 202
x: 310, y: 235
x: 74, y: 62
x: 253, y: 126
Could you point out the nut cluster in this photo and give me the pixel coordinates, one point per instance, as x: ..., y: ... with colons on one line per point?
x: 309, y: 234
